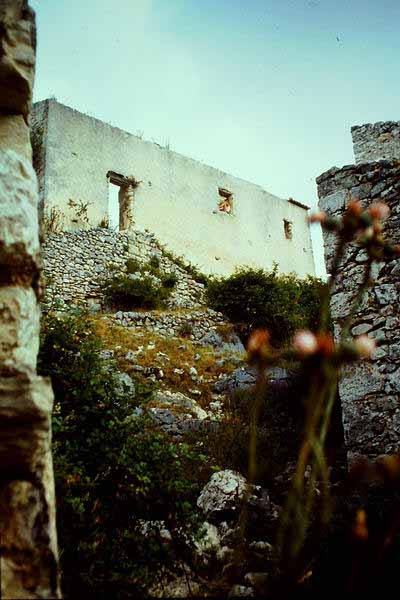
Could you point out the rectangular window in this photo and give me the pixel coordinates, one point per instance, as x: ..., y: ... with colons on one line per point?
x: 287, y: 226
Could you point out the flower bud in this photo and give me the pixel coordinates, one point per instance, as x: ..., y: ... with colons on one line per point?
x: 326, y: 344
x: 257, y: 341
x: 379, y: 210
x: 354, y: 208
x: 318, y: 217
x: 360, y: 530
x: 365, y: 346
x: 305, y: 343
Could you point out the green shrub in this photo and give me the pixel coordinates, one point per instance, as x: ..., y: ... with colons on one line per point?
x: 112, y: 471
x: 258, y: 298
x: 280, y: 423
x: 169, y: 281
x: 185, y: 330
x: 154, y: 264
x: 132, y: 265
x: 126, y: 293
x: 180, y: 262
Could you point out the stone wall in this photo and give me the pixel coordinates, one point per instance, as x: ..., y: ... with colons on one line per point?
x: 76, y: 264
x: 378, y: 141
x: 370, y: 391
x: 194, y: 324
x: 38, y: 134
x: 176, y: 197
x: 28, y: 547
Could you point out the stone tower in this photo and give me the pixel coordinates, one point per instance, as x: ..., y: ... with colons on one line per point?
x: 370, y: 391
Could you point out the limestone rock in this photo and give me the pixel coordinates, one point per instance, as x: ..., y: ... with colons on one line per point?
x: 231, y: 343
x: 180, y: 400
x: 224, y: 492
x: 241, y: 591
x: 17, y: 56
x: 19, y: 241
x: 19, y: 328
x: 25, y: 410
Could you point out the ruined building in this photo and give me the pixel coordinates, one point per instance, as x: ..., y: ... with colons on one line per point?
x: 86, y: 167
x: 369, y: 392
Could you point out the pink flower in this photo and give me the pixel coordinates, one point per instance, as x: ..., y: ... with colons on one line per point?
x: 318, y: 217
x: 258, y: 340
x: 305, y: 343
x: 354, y: 208
x: 365, y: 346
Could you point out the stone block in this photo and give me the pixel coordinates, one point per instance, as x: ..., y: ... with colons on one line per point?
x: 14, y: 135
x: 19, y: 241
x: 27, y: 490
x: 335, y: 202
x: 17, y: 56
x: 357, y: 383
x: 19, y: 328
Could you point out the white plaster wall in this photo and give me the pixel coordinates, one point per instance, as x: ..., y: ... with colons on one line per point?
x: 176, y: 199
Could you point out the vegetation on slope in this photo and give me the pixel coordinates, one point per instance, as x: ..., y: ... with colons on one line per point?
x: 114, y: 473
x: 263, y: 299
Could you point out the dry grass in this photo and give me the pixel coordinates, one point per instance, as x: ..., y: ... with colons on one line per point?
x: 179, y: 354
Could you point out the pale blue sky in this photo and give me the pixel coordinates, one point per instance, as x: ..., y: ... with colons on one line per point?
x: 264, y: 89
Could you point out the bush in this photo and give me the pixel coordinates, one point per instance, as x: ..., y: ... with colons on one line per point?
x: 185, y: 330
x: 154, y: 264
x: 180, y: 262
x: 279, y: 430
x: 258, y: 298
x: 113, y: 472
x: 132, y: 265
x: 126, y: 293
x: 169, y: 281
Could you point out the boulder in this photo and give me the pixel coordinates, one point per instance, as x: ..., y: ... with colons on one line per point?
x: 222, y: 498
x: 229, y: 343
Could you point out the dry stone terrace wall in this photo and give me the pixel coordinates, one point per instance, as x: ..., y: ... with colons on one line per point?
x: 196, y: 324
x: 378, y: 141
x: 76, y: 264
x: 369, y: 392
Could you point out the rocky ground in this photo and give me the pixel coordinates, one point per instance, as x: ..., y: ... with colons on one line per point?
x: 193, y: 381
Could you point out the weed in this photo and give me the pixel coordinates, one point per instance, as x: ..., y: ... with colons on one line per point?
x: 132, y: 265
x: 125, y: 293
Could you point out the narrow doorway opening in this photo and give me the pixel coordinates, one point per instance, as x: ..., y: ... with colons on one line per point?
x: 120, y: 200
x: 113, y: 206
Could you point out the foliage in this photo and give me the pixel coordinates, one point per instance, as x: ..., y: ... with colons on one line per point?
x: 132, y: 265
x: 169, y: 281
x: 154, y: 264
x: 258, y: 298
x: 180, y: 262
x: 279, y: 429
x: 104, y: 223
x: 81, y: 210
x: 308, y: 507
x: 185, y: 330
x: 52, y: 221
x: 126, y: 293
x: 113, y: 472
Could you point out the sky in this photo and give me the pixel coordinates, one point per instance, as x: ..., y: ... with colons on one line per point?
x: 266, y: 90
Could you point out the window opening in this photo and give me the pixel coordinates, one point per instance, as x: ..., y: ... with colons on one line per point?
x: 225, y: 202
x: 113, y: 207
x: 288, y: 229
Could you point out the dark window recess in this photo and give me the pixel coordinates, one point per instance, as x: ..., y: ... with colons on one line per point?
x: 288, y: 228
x: 225, y: 202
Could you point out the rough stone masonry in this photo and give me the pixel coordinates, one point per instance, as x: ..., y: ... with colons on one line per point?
x: 370, y: 391
x: 28, y: 548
